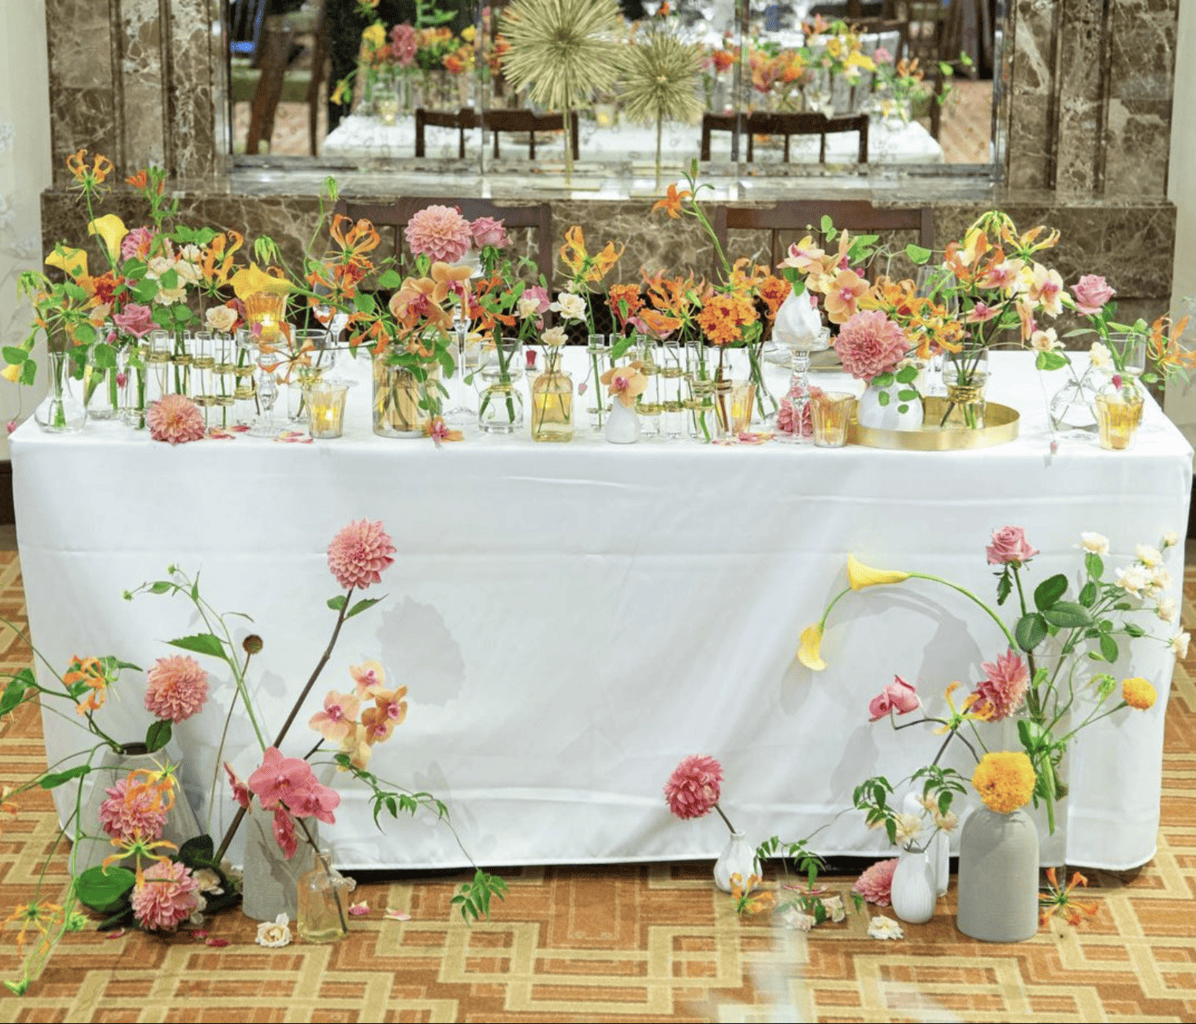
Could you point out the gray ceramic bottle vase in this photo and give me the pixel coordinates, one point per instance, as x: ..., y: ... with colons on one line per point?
x: 998, y: 876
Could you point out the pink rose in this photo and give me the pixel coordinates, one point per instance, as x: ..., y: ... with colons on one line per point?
x: 1091, y: 292
x: 1009, y: 547
x: 488, y: 231
x: 136, y: 320
x: 898, y: 696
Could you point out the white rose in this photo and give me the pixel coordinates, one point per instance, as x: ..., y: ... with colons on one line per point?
x: 833, y: 905
x: 884, y: 928
x: 1170, y: 539
x: 1148, y: 556
x: 220, y: 319
x: 794, y: 918
x: 570, y: 306
x: 1095, y: 543
x: 1179, y: 644
x: 1045, y: 341
x: 908, y: 827
x: 554, y: 337
x: 1166, y: 609
x: 527, y: 307
x: 274, y: 934
x: 1133, y: 580
x: 1099, y: 356
x: 1160, y: 579
x: 946, y: 822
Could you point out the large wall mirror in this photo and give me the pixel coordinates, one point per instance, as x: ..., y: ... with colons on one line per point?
x: 778, y: 88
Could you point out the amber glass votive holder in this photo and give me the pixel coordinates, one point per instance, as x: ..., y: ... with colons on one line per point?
x: 326, y: 409
x: 831, y: 415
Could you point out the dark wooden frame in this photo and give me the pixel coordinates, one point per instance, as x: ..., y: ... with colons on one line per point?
x: 805, y: 123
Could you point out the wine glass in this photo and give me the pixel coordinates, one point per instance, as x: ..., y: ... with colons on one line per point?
x: 800, y: 346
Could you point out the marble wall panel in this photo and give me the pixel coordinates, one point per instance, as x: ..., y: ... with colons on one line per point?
x: 1079, y: 94
x: 83, y: 96
x: 193, y: 75
x: 1030, y: 150
x: 142, y: 67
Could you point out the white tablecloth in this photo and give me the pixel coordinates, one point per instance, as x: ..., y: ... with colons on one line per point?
x: 363, y: 138
x: 573, y: 620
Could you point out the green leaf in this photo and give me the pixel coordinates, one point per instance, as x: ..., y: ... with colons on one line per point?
x: 1067, y: 615
x: 362, y: 605
x: 907, y: 375
x: 145, y: 291
x: 917, y: 255
x: 1031, y: 631
x: 200, y: 643
x: 157, y: 736
x: 1134, y: 630
x: 1088, y: 594
x: 363, y: 302
x: 337, y: 603
x: 161, y: 587
x: 58, y: 778
x: 105, y: 356
x: 14, y: 355
x: 103, y: 891
x: 390, y: 279
x: 828, y: 228
x: 1050, y: 361
x: 882, y: 399
x: 1004, y: 587
x: 1049, y: 591
x: 199, y: 851
x: 1094, y: 565
x: 1108, y: 648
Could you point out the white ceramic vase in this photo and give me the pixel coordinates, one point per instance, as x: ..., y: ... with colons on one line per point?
x: 938, y: 851
x: 998, y: 876
x: 913, y: 893
x: 738, y: 858
x: 622, y: 424
x: 871, y: 413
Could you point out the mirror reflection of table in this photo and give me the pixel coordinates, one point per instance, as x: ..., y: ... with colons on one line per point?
x: 571, y: 620
x: 363, y: 138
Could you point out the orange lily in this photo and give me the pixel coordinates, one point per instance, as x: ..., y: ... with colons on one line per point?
x: 100, y: 168
x: 138, y: 847
x: 671, y: 204
x: 745, y: 902
x: 145, y: 781
x: 584, y: 266
x: 217, y: 261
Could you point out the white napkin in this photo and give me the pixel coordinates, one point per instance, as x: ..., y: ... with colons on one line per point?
x: 798, y: 323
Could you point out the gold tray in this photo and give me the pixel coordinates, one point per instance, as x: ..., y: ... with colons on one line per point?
x: 1000, y: 427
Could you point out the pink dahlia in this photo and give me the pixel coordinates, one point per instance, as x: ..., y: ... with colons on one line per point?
x: 122, y: 817
x: 439, y: 232
x: 870, y: 344
x: 785, y: 414
x: 693, y: 788
x: 876, y: 883
x: 176, y: 688
x: 176, y: 419
x: 488, y: 231
x: 359, y: 553
x: 402, y: 45
x: 166, y: 897
x: 1002, y: 693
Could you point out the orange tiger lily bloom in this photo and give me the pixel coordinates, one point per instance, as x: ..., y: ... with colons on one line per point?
x: 160, y: 783
x: 361, y: 237
x: 659, y: 324
x: 216, y: 264
x: 91, y: 672
x: 100, y: 168
x: 672, y: 203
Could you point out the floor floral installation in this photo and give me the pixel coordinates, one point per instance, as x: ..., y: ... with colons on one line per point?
x: 620, y: 942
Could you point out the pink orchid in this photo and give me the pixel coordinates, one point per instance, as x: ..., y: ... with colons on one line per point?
x: 898, y: 696
x: 367, y: 676
x: 284, y: 832
x: 291, y: 782
x: 240, y: 790
x: 339, y: 714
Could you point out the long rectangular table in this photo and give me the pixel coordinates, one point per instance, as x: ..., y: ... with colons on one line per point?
x: 572, y: 620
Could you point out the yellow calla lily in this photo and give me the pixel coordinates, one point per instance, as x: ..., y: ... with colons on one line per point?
x: 72, y: 262
x: 112, y: 230
x: 374, y: 36
x: 810, y: 651
x: 861, y: 576
x: 860, y: 60
x: 12, y: 373
x: 252, y: 280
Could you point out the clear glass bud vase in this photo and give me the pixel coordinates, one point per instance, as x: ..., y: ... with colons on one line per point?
x: 60, y: 412
x: 323, y: 901
x: 552, y: 403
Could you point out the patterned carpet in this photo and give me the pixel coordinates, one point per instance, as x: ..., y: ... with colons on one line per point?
x: 623, y: 943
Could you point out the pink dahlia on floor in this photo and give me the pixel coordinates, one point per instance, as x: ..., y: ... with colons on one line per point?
x: 359, y: 553
x: 876, y: 883
x: 176, y: 688
x: 693, y: 788
x: 870, y: 344
x: 176, y: 419
x: 439, y: 232
x: 166, y: 897
x: 1002, y: 693
x: 122, y: 817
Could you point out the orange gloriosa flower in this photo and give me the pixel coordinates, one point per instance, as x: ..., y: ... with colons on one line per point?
x: 671, y: 204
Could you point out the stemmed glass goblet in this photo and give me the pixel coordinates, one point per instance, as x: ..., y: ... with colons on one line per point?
x: 801, y: 345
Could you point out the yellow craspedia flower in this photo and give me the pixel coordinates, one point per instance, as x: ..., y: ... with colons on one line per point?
x: 810, y: 651
x: 1138, y: 693
x: 1005, y: 780
x: 374, y: 36
x: 860, y: 575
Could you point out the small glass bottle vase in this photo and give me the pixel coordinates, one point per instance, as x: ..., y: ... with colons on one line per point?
x: 965, y: 375
x: 1119, y: 413
x: 552, y: 403
x: 500, y: 410
x: 323, y: 901
x: 60, y: 412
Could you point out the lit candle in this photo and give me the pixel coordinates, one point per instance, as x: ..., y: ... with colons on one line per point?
x: 326, y: 409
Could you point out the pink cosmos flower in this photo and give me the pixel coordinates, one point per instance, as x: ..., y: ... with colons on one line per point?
x: 439, y: 232
x: 876, y: 883
x: 870, y: 344
x: 1004, y: 689
x: 1092, y: 292
x: 240, y: 790
x: 122, y: 818
x: 136, y: 320
x: 166, y: 897
x: 176, y: 688
x: 175, y: 418
x: 1009, y: 546
x: 693, y: 788
x: 488, y: 231
x: 403, y: 45
x: 898, y: 696
x: 359, y: 553
x: 337, y: 718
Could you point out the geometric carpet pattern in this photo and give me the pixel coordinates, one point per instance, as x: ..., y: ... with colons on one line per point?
x: 621, y: 943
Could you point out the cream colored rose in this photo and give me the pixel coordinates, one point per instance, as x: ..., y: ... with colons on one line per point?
x: 1099, y: 356
x: 221, y: 319
x: 554, y: 337
x: 1179, y: 644
x: 1094, y: 543
x: 570, y: 306
x: 884, y: 928
x: 274, y: 934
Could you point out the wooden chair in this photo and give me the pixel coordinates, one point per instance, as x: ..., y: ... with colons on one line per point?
x: 800, y: 215
x: 787, y: 125
x: 536, y: 216
x: 498, y: 121
x: 464, y: 119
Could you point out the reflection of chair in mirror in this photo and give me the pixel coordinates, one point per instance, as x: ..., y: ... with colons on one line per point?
x: 462, y: 120
x: 498, y: 121
x: 786, y: 125
x: 245, y: 21
x: 283, y: 76
x: 535, y: 217
x: 798, y: 216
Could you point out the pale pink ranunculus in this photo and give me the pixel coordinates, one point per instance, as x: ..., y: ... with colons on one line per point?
x: 898, y: 696
x: 1092, y: 292
x: 1009, y: 546
x: 488, y: 231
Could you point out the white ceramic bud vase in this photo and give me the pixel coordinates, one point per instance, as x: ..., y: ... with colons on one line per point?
x: 913, y: 893
x: 872, y: 414
x: 622, y: 424
x: 738, y: 858
x: 938, y: 851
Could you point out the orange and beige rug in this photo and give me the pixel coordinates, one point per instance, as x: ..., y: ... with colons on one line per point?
x: 627, y: 943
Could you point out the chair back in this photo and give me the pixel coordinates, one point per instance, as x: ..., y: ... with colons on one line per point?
x: 462, y: 119
x: 786, y: 125
x: 519, y: 120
